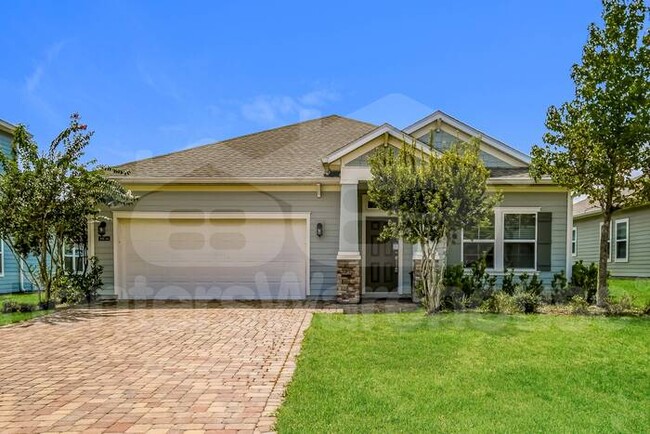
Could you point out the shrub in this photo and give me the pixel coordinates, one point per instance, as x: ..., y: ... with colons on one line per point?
x: 561, y: 290
x: 508, y: 284
x: 77, y: 288
x: 623, y: 305
x: 646, y: 309
x: 578, y: 305
x: 467, y: 290
x: 530, y: 284
x: 586, y: 279
x: 526, y: 301
x: 499, y: 302
x: 11, y: 306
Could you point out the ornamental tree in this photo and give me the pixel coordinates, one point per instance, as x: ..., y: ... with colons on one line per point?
x: 48, y: 198
x: 431, y: 196
x: 598, y: 144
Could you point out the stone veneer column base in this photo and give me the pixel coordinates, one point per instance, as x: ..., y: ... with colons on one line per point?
x: 348, y: 281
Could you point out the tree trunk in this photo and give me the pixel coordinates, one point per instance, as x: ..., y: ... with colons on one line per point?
x: 602, y: 292
x: 431, y: 278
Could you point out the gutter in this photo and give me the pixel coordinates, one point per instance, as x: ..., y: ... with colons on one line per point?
x: 228, y: 181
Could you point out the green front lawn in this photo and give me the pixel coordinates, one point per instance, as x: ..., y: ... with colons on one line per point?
x: 637, y: 289
x: 31, y: 298
x: 470, y: 373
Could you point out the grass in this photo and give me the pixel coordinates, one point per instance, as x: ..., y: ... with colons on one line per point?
x: 470, y: 373
x: 637, y: 289
x: 22, y: 297
x: 31, y: 298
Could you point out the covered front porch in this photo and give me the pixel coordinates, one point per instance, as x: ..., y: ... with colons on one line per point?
x: 367, y: 266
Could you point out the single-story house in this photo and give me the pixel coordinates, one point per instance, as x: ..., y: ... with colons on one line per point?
x: 284, y: 214
x: 12, y: 278
x: 629, y: 252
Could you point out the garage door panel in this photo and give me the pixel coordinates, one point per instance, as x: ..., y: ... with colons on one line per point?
x: 214, y: 259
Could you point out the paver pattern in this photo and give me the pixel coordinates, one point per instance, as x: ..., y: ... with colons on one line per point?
x: 157, y: 369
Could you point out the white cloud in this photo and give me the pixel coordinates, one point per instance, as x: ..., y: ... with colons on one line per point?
x: 33, y: 80
x: 272, y: 109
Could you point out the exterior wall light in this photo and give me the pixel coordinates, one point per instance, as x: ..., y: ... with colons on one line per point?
x: 319, y: 230
x: 101, y: 228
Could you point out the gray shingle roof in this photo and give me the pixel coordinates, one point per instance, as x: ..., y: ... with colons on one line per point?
x: 585, y: 206
x: 292, y: 151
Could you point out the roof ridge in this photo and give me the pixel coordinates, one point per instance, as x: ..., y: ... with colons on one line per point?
x: 244, y: 136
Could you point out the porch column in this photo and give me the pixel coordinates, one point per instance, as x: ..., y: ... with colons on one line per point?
x: 348, y: 259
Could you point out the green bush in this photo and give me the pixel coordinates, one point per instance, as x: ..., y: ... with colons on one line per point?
x: 499, y: 302
x: 561, y: 291
x: 533, y: 285
x: 526, y: 301
x: 579, y: 305
x: 586, y: 279
x: 508, y: 284
x: 11, y: 306
x: 467, y: 290
x: 82, y: 287
x: 623, y: 305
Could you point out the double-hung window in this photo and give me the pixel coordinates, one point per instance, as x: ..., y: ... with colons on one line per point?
x: 519, y: 240
x: 479, y: 241
x: 74, y: 258
x: 621, y: 237
x: 574, y: 241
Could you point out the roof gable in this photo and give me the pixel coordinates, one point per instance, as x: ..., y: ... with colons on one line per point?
x: 385, y: 129
x: 439, y: 120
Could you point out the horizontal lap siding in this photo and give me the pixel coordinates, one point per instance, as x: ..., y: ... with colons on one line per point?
x: 324, y: 210
x: 638, y: 264
x: 10, y: 282
x: 555, y: 203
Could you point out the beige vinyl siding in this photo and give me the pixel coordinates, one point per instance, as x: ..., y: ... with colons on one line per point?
x: 323, y: 210
x: 638, y: 264
x: 555, y: 203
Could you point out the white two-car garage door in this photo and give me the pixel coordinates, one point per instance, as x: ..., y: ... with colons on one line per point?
x: 212, y: 258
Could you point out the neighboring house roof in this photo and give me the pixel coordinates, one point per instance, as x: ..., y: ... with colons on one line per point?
x: 292, y: 151
x: 7, y: 127
x: 585, y: 207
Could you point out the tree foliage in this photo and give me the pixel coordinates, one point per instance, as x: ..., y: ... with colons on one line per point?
x: 598, y: 144
x: 47, y: 199
x: 431, y: 196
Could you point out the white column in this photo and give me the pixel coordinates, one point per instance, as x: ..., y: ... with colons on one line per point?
x: 349, y: 222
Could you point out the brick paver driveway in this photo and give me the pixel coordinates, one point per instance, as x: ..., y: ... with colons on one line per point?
x: 158, y: 369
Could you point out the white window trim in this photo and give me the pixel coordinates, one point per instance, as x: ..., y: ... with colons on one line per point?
x: 574, y: 241
x: 486, y: 241
x: 2, y: 261
x: 600, y: 236
x: 504, y: 241
x: 616, y: 240
x: 74, y: 256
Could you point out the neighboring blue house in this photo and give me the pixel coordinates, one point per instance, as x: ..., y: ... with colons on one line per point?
x: 11, y: 279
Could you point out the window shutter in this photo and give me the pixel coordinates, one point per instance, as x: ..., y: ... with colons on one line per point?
x: 544, y: 235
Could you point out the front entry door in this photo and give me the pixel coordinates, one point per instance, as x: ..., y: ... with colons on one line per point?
x: 381, y: 259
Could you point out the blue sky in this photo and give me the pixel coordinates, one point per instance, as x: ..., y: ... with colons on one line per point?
x: 157, y: 76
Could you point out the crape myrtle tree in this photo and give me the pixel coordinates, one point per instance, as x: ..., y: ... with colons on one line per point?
x: 431, y: 195
x: 598, y: 144
x: 47, y: 200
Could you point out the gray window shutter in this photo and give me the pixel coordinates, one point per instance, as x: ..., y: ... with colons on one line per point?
x: 544, y: 235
